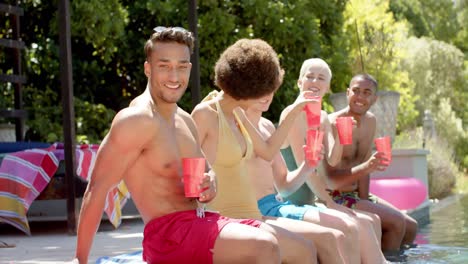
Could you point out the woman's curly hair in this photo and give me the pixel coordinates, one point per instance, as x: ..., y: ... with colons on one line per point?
x: 248, y: 69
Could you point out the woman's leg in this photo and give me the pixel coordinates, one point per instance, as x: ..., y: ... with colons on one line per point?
x: 369, y: 248
x: 375, y: 220
x: 294, y: 248
x: 370, y: 242
x: 339, y: 221
x: 329, y: 242
x: 238, y: 243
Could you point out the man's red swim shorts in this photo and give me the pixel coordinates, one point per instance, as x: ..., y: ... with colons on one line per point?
x: 183, y: 237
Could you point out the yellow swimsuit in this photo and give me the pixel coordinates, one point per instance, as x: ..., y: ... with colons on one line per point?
x: 236, y: 195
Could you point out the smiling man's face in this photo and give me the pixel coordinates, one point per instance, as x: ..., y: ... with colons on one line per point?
x: 362, y: 94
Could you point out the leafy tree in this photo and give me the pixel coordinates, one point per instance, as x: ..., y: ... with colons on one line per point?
x: 431, y: 18
x: 94, y: 41
x: 438, y: 63
x: 461, y: 7
x: 107, y: 48
x: 296, y: 30
x: 436, y: 68
x: 375, y: 35
x: 438, y: 72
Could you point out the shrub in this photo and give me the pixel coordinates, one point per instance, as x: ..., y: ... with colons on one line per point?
x: 442, y: 169
x: 45, y: 119
x: 450, y: 127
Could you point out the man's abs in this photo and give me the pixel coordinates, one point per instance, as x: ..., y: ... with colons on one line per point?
x: 157, y: 190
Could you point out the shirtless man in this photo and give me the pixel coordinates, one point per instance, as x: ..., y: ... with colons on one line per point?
x: 144, y: 148
x: 349, y: 179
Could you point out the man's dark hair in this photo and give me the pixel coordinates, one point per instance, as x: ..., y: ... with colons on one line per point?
x: 365, y: 76
x: 248, y: 69
x: 169, y: 34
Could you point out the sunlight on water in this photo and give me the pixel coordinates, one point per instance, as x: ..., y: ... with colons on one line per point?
x: 444, y: 239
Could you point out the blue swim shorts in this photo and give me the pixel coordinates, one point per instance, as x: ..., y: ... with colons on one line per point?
x: 271, y: 206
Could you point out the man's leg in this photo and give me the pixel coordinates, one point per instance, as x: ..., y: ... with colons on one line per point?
x: 393, y: 224
x: 329, y: 242
x: 239, y: 243
x: 410, y: 223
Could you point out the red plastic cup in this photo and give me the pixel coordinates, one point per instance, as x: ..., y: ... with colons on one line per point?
x: 193, y: 171
x: 344, y: 125
x: 313, y: 111
x: 383, y: 144
x: 314, y: 141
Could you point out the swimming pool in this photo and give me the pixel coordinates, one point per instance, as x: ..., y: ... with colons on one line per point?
x: 445, y: 238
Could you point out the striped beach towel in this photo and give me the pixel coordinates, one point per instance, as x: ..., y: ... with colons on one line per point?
x: 24, y: 174
x: 129, y: 258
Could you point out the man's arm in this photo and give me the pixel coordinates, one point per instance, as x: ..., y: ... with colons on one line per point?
x: 363, y: 187
x: 331, y: 141
x: 339, y: 178
x: 119, y: 149
x: 368, y: 163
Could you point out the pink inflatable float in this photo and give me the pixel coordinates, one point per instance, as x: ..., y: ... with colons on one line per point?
x: 403, y: 192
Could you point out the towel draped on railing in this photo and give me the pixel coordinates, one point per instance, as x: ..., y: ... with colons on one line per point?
x: 24, y: 174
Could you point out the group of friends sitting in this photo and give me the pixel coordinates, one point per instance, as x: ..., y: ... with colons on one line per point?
x: 248, y: 210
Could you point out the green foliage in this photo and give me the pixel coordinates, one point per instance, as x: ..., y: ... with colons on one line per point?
x: 436, y: 67
x: 92, y: 121
x: 411, y: 10
x: 102, y: 32
x: 108, y: 38
x: 449, y: 127
x: 297, y: 30
x: 431, y: 18
x: 409, y: 139
x: 45, y: 119
x: 98, y: 29
x: 440, y: 76
x: 107, y: 49
x: 461, y: 40
x: 460, y: 96
x: 6, y: 96
x: 376, y: 35
x: 442, y: 170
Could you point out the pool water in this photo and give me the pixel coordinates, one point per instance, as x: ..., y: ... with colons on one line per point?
x: 445, y: 238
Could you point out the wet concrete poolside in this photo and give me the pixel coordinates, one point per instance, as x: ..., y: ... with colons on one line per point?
x: 50, y: 242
